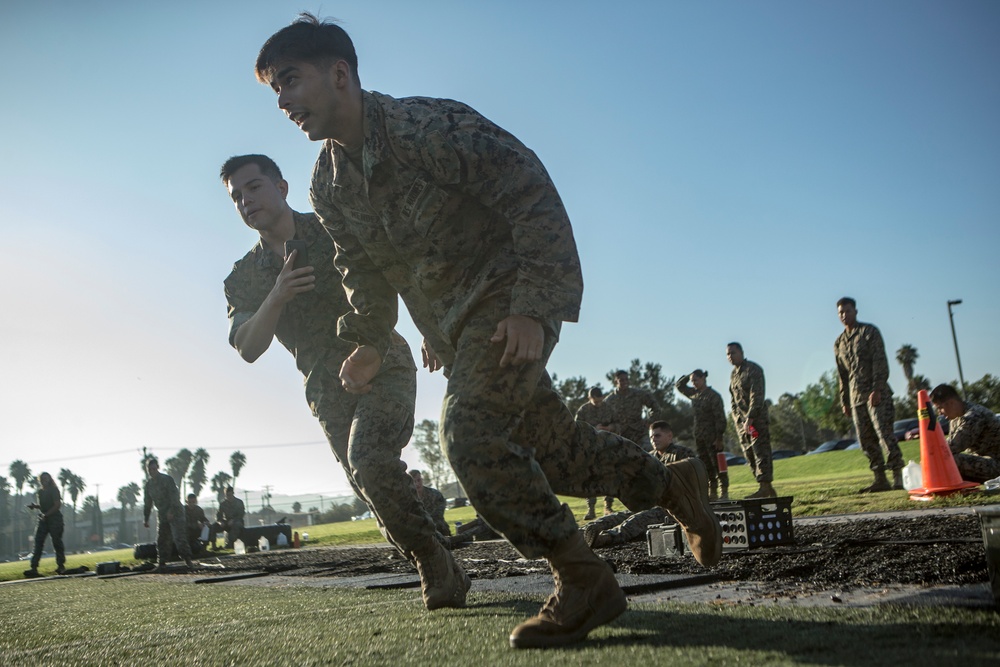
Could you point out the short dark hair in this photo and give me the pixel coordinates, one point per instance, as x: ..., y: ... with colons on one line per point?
x: 191, y: 495
x: 846, y: 300
x: 736, y: 345
x: 595, y: 392
x: 229, y: 488
x: 306, y: 40
x: 267, y: 167
x: 621, y: 372
x: 700, y: 373
x: 662, y: 425
x: 944, y: 392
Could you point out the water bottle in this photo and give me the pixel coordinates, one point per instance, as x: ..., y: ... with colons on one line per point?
x: 239, y: 548
x: 263, y: 544
x: 912, y: 476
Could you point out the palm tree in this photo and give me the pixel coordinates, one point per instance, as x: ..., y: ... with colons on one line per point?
x: 236, y: 462
x: 219, y: 484
x: 76, y: 486
x: 177, y: 467
x: 4, y: 515
x: 907, y: 355
x: 21, y: 473
x: 128, y: 496
x: 198, y: 476
x: 65, y: 475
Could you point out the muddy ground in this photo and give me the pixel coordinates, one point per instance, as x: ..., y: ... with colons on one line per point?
x: 926, y: 550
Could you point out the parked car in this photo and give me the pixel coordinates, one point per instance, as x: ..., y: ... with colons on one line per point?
x: 734, y: 459
x: 914, y: 433
x: 834, y: 445
x: 784, y: 454
x: 902, y: 426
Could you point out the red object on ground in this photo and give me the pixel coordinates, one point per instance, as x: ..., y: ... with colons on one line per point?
x: 295, y: 540
x: 937, y: 465
x: 721, y: 458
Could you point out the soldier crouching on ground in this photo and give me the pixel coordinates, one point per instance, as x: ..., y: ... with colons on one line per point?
x: 973, y: 434
x: 429, y: 201
x: 171, y: 528
x: 287, y: 288
x: 622, y: 527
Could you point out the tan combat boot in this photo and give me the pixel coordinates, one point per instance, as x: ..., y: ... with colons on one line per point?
x: 897, y: 480
x: 764, y: 491
x: 687, y: 501
x: 443, y: 582
x: 586, y: 596
x: 880, y: 483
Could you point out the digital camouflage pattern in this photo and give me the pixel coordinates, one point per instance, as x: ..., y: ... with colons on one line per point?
x: 461, y: 220
x: 673, y: 453
x: 709, y: 424
x: 595, y: 415
x: 231, y: 517
x: 171, y: 524
x: 746, y: 391
x: 974, y: 439
x: 367, y: 432
x: 435, y: 505
x: 627, y: 408
x: 862, y: 368
x: 622, y: 527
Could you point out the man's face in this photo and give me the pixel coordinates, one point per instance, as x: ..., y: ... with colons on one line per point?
x: 312, y: 97
x: 597, y: 400
x: 734, y: 354
x: 848, y: 315
x: 192, y: 501
x: 661, y: 438
x: 152, y: 467
x: 230, y: 495
x: 621, y: 381
x: 258, y: 199
x: 418, y: 481
x: 951, y: 408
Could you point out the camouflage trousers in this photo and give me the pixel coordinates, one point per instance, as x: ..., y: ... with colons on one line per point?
x: 514, y: 444
x: 51, y: 526
x: 874, y: 428
x: 977, y: 468
x: 704, y: 444
x: 622, y: 527
x: 757, y: 452
x: 367, y: 433
x: 171, y: 531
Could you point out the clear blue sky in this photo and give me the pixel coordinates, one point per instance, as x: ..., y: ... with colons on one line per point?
x: 731, y: 170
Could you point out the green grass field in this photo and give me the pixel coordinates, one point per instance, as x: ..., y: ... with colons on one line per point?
x: 134, y: 620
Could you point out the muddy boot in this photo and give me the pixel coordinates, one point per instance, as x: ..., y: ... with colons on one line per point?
x: 609, y: 506
x: 687, y: 501
x: 764, y: 491
x: 31, y: 573
x: 724, y: 485
x: 586, y: 596
x: 897, y: 480
x: 880, y: 484
x: 443, y: 582
x: 591, y: 513
x: 61, y: 569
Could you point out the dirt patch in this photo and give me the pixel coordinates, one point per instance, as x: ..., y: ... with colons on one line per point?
x: 924, y: 550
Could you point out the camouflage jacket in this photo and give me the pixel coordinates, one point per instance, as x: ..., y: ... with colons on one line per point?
x: 709, y: 412
x: 161, y: 492
x: 746, y: 391
x: 861, y: 364
x: 627, y: 408
x: 595, y: 415
x: 976, y: 431
x: 673, y: 453
x: 446, y: 210
x: 308, y: 325
x: 195, y: 516
x: 231, y: 510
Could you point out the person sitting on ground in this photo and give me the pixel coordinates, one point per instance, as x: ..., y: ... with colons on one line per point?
x: 973, y: 434
x: 50, y: 523
x: 622, y: 527
x: 433, y: 502
x: 196, y: 522
x: 230, y: 517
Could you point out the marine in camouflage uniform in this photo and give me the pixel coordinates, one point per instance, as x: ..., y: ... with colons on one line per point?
x: 865, y: 395
x: 230, y: 517
x: 366, y: 432
x: 598, y: 414
x: 627, y: 404
x: 622, y: 527
x: 171, y: 529
x: 749, y: 413
x: 973, y: 435
x: 430, y: 202
x: 433, y: 502
x: 709, y: 427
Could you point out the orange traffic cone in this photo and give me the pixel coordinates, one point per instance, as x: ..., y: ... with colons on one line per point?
x: 295, y: 540
x: 937, y: 465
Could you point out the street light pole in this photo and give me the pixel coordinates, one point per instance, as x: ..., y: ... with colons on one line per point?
x: 954, y: 339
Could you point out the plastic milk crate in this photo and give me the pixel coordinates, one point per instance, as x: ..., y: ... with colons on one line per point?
x: 746, y: 524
